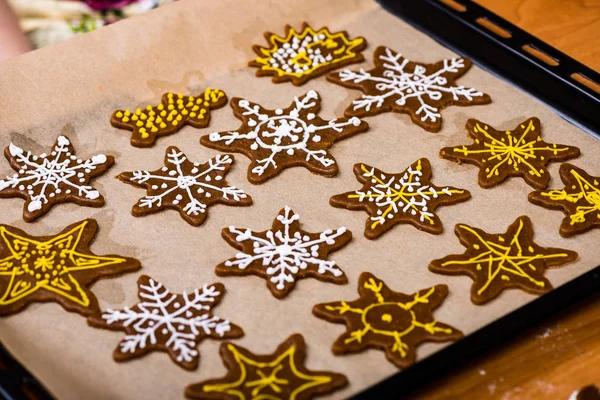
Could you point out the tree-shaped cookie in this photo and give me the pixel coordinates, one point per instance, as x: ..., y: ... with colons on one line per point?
x: 280, y: 375
x: 391, y: 199
x: 186, y: 186
x: 417, y: 89
x: 301, y: 56
x: 56, y: 268
x: 391, y: 321
x: 500, y: 154
x: 48, y: 179
x: 579, y: 199
x: 285, y: 253
x: 278, y: 139
x: 164, y: 321
x: 497, y: 262
x: 172, y: 114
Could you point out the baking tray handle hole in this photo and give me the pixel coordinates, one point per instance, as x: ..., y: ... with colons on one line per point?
x: 455, y: 5
x: 540, y: 55
x: 587, y: 82
x: 494, y: 28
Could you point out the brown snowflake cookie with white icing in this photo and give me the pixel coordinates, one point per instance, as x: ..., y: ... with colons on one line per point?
x: 164, y: 321
x: 279, y: 375
x: 173, y: 113
x: 406, y: 197
x: 301, y: 56
x: 579, y: 199
x: 57, y: 268
x: 497, y: 262
x: 50, y: 179
x: 417, y: 89
x: 278, y: 139
x: 189, y: 187
x: 500, y: 154
x: 391, y: 321
x: 285, y: 253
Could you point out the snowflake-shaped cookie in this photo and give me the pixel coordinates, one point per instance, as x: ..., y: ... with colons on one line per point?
x: 279, y: 139
x: 417, y: 89
x: 407, y: 197
x: 186, y: 186
x: 285, y: 253
x: 175, y: 323
x: 54, y: 178
x: 392, y: 321
x: 500, y: 154
x: 301, y: 56
x: 497, y: 262
x: 579, y: 199
x: 173, y: 113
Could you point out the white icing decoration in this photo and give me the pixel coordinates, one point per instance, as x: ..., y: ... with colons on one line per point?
x: 398, y: 82
x: 283, y: 255
x: 186, y: 185
x: 270, y: 131
x: 51, y: 176
x: 151, y: 316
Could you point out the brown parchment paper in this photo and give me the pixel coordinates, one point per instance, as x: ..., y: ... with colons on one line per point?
x: 73, y: 87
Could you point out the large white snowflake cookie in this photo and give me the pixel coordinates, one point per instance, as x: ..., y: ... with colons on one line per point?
x: 48, y: 179
x: 175, y: 323
x: 285, y: 253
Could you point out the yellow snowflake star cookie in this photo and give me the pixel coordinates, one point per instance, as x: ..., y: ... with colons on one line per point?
x: 392, y: 321
x: 497, y: 262
x: 500, y: 154
x: 301, y: 56
x: 280, y: 375
x: 580, y: 200
x: 172, y: 114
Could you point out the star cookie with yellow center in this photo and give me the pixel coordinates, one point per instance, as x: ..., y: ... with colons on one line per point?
x: 280, y: 375
x: 580, y: 200
x: 54, y: 268
x: 306, y: 54
x: 384, y: 319
x: 497, y: 262
x: 173, y: 113
x: 500, y: 154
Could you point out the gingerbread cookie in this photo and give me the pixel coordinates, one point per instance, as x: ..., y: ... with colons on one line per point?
x: 391, y: 199
x: 54, y: 268
x: 579, y: 199
x: 278, y: 139
x: 186, y: 186
x: 501, y: 261
x: 500, y: 154
x: 164, y: 321
x: 54, y: 178
x: 280, y: 375
x: 172, y: 114
x: 285, y: 253
x: 301, y: 56
x: 392, y: 321
x: 417, y: 89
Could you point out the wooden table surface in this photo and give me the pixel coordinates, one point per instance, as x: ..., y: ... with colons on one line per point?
x: 553, y: 360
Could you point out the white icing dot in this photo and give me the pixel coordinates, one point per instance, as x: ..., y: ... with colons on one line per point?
x: 164, y: 186
x: 254, y: 146
x: 218, y: 178
x: 279, y: 111
x: 194, y: 170
x: 179, y: 197
x: 164, y: 169
x: 154, y: 187
x: 172, y: 172
x: 290, y: 152
x: 208, y: 194
x: 310, y: 116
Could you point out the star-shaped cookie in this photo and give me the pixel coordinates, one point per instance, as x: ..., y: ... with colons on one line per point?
x: 384, y: 319
x: 278, y: 139
x: 173, y: 113
x: 54, y: 268
x: 306, y: 54
x: 54, y: 178
x: 579, y: 199
x: 285, y: 253
x: 164, y: 321
x: 280, y: 375
x: 417, y: 89
x: 189, y: 187
x: 500, y: 154
x: 391, y: 199
x: 497, y: 262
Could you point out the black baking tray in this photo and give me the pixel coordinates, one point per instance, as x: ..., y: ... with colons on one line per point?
x: 457, y: 28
